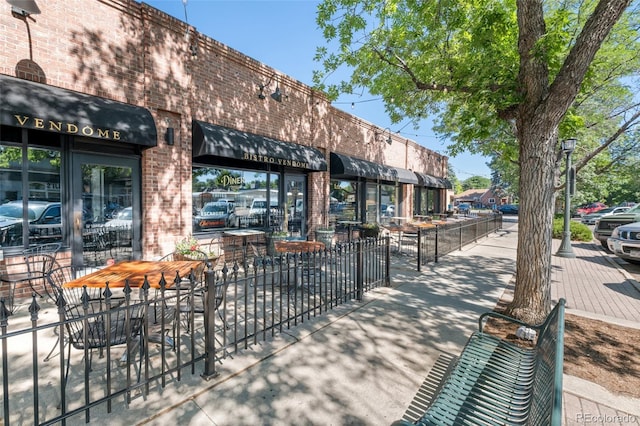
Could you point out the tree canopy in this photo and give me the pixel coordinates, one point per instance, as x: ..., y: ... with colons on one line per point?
x: 502, y: 78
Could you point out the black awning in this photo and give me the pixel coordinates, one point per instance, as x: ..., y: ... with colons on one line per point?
x: 38, y: 106
x: 343, y: 166
x: 446, y: 183
x: 212, y: 140
x: 432, y: 181
x: 406, y: 176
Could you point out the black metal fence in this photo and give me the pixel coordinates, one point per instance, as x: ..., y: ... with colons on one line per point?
x: 432, y: 243
x: 60, y: 362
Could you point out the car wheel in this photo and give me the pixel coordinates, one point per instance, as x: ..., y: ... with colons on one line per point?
x: 606, y: 247
x: 634, y: 261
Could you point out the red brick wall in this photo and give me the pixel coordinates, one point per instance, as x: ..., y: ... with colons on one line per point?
x: 132, y: 53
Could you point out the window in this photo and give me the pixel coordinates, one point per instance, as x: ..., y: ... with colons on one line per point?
x: 42, y: 221
x: 233, y: 198
x: 344, y: 202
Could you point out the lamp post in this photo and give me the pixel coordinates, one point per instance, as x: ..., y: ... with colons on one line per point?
x: 565, y: 250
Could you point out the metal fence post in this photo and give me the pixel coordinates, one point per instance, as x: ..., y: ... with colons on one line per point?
x: 209, y: 326
x: 419, y: 248
x: 435, y: 256
x: 359, y: 269
x: 387, y: 263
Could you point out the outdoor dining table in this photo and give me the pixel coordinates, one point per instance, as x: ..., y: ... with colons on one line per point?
x: 298, y: 246
x: 135, y: 271
x: 244, y: 235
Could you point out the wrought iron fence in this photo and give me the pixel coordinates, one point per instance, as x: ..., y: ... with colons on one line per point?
x: 128, y: 342
x: 432, y: 243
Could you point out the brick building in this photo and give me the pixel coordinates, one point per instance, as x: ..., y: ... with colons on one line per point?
x: 113, y: 106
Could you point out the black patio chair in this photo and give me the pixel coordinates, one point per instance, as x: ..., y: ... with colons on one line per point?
x: 47, y: 248
x: 89, y: 326
x: 190, y: 298
x: 55, y: 280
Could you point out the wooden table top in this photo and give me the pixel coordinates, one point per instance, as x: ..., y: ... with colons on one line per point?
x: 135, y: 271
x: 298, y: 246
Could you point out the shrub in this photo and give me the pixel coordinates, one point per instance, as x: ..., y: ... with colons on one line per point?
x: 579, y: 231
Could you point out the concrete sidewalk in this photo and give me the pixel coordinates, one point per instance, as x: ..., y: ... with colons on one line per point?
x: 362, y: 364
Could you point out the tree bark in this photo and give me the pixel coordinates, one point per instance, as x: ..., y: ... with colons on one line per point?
x: 537, y: 120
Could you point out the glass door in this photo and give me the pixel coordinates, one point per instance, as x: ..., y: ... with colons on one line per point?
x: 296, y: 213
x: 105, y: 210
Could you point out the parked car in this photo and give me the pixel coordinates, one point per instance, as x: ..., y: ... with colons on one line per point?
x: 215, y: 214
x: 45, y: 223
x: 624, y: 242
x: 259, y: 206
x: 508, y: 209
x: 463, y: 208
x: 590, y: 219
x: 122, y: 219
x: 120, y: 227
x: 590, y: 208
x: 606, y: 224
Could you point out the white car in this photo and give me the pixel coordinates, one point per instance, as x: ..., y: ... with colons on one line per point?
x: 624, y: 242
x: 123, y: 219
x: 591, y: 218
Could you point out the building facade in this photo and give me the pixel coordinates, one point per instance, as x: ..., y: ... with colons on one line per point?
x: 114, y: 112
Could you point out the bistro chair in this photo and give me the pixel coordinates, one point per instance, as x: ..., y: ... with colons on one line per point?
x: 195, y: 304
x: 38, y: 266
x: 190, y: 297
x: 58, y: 276
x: 55, y: 280
x: 47, y: 248
x: 89, y: 326
x: 30, y: 269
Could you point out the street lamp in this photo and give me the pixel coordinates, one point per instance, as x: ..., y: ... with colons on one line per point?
x: 565, y: 250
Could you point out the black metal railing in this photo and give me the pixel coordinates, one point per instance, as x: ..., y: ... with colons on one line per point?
x: 435, y: 242
x: 157, y: 334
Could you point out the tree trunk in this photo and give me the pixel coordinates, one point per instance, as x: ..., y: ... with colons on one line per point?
x: 532, y: 296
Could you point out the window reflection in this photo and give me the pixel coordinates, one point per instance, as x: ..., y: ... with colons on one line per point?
x: 43, y: 217
x: 343, y: 205
x: 226, y: 199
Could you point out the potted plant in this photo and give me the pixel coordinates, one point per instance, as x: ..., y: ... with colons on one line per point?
x: 189, y: 248
x: 369, y: 230
x: 325, y: 235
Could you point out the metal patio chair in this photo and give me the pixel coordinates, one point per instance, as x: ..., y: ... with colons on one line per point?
x: 55, y: 280
x: 90, y: 327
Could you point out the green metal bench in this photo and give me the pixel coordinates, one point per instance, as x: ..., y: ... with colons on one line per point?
x: 497, y: 382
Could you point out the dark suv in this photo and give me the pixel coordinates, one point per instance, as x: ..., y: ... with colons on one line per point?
x: 44, y: 222
x: 605, y: 226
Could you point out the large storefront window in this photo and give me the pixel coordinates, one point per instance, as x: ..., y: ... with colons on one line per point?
x: 344, y: 202
x: 29, y: 177
x: 225, y: 199
x: 372, y: 202
x: 389, y: 201
x: 425, y: 200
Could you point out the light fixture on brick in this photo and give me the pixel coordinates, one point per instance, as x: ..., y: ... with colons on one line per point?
x: 276, y: 95
x: 24, y: 8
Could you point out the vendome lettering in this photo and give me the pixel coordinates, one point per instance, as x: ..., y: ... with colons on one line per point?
x: 69, y: 128
x: 274, y: 160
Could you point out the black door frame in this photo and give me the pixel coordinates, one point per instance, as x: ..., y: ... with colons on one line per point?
x: 76, y: 205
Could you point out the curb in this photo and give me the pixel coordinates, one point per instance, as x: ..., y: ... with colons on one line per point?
x: 590, y: 391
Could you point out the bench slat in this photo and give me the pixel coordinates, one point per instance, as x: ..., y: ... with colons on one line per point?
x: 497, y: 382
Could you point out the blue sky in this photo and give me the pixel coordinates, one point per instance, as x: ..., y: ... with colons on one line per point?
x: 283, y: 35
